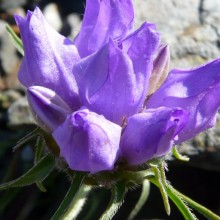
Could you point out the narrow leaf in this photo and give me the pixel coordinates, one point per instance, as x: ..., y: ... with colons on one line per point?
x: 39, y: 149
x: 118, y: 193
x: 70, y: 196
x: 37, y: 173
x: 41, y: 186
x: 198, y: 207
x: 142, y: 200
x: 16, y: 40
x: 27, y: 138
x: 38, y: 154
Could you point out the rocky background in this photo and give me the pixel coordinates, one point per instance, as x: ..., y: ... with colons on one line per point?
x: 190, y: 27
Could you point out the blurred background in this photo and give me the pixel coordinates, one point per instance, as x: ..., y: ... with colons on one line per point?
x: 190, y: 27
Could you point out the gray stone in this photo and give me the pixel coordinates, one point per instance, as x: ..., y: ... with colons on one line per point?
x: 8, y: 4
x: 9, y: 60
x: 19, y: 114
x: 52, y: 16
x: 8, y: 57
x: 190, y: 27
x: 74, y: 22
x: 8, y: 97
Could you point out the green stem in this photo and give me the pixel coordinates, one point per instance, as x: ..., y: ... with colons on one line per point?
x: 118, y: 193
x: 184, y: 209
x: 70, y: 196
x: 142, y: 200
x: 177, y: 201
x: 161, y: 183
x: 198, y: 207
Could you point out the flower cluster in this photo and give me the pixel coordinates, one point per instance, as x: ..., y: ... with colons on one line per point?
x: 108, y: 95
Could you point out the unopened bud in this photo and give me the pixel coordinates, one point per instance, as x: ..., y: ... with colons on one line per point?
x: 160, y: 68
x: 48, y: 109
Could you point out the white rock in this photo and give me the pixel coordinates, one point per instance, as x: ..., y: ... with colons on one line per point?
x: 74, y: 22
x: 52, y: 16
x: 8, y: 57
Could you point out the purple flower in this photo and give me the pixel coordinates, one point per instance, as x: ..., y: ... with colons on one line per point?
x: 108, y: 94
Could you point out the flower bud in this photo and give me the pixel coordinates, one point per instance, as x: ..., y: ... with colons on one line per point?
x: 48, y: 109
x: 160, y: 68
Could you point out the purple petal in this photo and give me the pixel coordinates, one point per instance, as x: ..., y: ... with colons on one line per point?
x: 88, y: 142
x: 103, y: 20
x: 49, y: 58
x: 141, y: 46
x: 151, y: 134
x: 107, y: 83
x: 114, y: 83
x: 195, y: 90
x: 48, y: 109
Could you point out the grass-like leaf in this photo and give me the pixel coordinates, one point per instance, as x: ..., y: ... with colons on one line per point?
x: 38, y: 154
x: 16, y: 40
x: 27, y: 138
x: 37, y: 173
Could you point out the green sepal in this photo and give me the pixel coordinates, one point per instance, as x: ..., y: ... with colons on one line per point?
x: 71, y: 195
x: 37, y: 173
x: 118, y: 192
x: 132, y: 178
x: 178, y: 156
x: 16, y: 40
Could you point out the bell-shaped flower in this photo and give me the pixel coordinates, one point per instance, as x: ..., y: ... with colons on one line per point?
x: 119, y: 78
x: 49, y: 58
x: 88, y: 141
x: 113, y: 81
x: 47, y: 108
x: 151, y: 133
x: 103, y: 20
